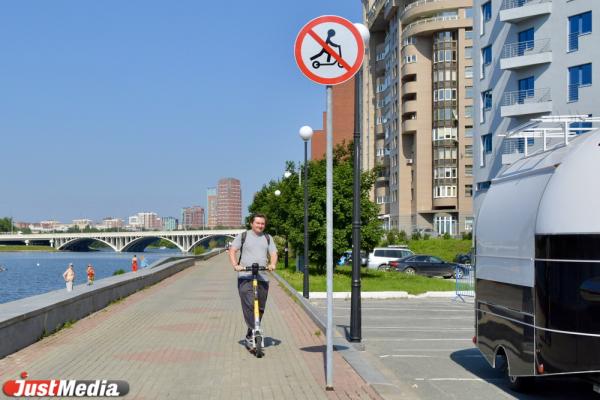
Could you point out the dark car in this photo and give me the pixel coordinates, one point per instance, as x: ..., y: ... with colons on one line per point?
x: 463, y: 259
x: 423, y: 264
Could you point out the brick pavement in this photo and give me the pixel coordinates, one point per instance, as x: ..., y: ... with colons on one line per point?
x: 182, y: 339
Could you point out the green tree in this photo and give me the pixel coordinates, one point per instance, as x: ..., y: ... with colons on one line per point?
x: 6, y: 224
x: 286, y: 212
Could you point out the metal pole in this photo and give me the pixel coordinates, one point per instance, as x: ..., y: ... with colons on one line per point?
x: 329, y: 237
x: 305, y: 281
x: 355, y: 306
x: 286, y: 252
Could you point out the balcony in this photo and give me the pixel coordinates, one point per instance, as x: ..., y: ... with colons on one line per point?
x: 409, y: 126
x: 389, y: 8
x: 444, y: 202
x: 409, y: 69
x: 433, y: 24
x: 375, y: 20
x: 518, y: 10
x: 524, y: 102
x: 409, y: 87
x: 427, y: 7
x: 525, y: 54
x: 409, y: 106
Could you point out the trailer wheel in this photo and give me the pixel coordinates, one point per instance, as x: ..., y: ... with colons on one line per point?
x: 515, y: 383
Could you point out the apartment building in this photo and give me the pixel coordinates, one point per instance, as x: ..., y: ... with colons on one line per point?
x: 211, y: 207
x: 533, y: 58
x: 418, y: 112
x: 229, y: 203
x: 192, y: 217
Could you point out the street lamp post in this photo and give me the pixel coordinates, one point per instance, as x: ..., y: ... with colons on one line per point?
x: 286, y: 175
x: 306, y: 133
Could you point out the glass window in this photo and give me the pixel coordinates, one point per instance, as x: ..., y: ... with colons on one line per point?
x: 486, y: 55
x: 486, y: 11
x: 468, y: 92
x: 469, y: 150
x: 469, y: 111
x: 579, y: 25
x: 468, y: 52
x: 580, y: 75
x: 469, y: 12
x: 486, y: 143
x: 469, y: 72
x: 486, y: 98
x: 468, y: 190
x: 468, y: 131
x: 483, y: 185
x: 469, y: 34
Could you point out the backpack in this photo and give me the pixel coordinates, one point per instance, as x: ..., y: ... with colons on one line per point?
x: 244, y: 239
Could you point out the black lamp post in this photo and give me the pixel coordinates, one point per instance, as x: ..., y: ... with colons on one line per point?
x: 306, y: 133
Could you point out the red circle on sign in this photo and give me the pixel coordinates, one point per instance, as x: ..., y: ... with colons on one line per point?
x: 304, y: 32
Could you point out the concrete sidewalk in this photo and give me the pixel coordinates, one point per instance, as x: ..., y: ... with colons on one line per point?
x: 182, y: 339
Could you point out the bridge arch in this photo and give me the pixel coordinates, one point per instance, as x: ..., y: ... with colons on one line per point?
x: 139, y: 244
x: 205, y: 238
x: 79, y: 244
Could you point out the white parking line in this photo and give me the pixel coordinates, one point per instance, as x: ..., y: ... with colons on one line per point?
x: 461, y: 379
x: 419, y: 329
x: 426, y: 356
x: 469, y: 310
x: 412, y: 340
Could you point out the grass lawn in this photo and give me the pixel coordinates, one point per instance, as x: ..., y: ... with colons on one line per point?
x: 371, y: 281
x: 26, y: 248
x: 445, y: 249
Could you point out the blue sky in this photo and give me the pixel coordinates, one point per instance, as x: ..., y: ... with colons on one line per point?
x: 112, y: 107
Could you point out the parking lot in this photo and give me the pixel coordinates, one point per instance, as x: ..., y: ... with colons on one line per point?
x: 427, y: 343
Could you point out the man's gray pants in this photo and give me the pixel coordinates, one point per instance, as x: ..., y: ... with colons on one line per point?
x: 247, y: 298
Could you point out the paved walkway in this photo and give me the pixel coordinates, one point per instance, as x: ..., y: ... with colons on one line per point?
x: 182, y: 339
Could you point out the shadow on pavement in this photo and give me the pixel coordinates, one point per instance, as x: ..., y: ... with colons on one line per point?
x: 544, y: 387
x: 269, y: 342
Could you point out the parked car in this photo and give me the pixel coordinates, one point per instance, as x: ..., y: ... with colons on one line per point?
x: 463, y: 259
x: 381, y: 256
x: 426, y: 231
x: 427, y: 265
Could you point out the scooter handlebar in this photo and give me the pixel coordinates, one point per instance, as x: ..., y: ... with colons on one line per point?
x: 255, y: 267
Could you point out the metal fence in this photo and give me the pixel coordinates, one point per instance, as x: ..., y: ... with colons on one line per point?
x: 465, y: 286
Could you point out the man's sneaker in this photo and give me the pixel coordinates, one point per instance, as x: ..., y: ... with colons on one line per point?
x: 249, y: 343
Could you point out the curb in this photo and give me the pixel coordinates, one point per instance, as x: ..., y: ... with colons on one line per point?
x: 382, y: 295
x: 370, y: 373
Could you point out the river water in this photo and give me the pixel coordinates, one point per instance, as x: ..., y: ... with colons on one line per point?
x: 27, y: 273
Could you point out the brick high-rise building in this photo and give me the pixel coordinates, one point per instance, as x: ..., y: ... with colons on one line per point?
x: 192, y: 217
x: 211, y: 207
x: 229, y: 203
x: 343, y: 120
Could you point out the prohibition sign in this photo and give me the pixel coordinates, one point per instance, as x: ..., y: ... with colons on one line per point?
x: 329, y: 50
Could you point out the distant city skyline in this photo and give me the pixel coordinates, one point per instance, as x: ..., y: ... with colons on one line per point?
x: 113, y: 107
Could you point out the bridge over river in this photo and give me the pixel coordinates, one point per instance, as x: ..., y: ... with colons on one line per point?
x: 186, y: 241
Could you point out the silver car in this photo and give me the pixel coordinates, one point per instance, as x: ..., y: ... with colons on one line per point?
x: 381, y: 256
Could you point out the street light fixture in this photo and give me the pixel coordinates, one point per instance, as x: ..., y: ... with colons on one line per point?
x: 306, y: 133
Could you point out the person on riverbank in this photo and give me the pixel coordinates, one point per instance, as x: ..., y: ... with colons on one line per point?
x: 143, y: 262
x: 134, y: 263
x: 91, y: 274
x: 69, y: 277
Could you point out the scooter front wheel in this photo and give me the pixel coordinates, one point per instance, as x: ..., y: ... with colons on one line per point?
x: 316, y: 64
x: 258, y: 341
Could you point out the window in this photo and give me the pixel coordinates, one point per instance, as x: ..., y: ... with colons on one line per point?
x: 486, y: 100
x: 483, y: 185
x: 468, y: 170
x: 469, y: 111
x: 444, y: 191
x: 468, y: 190
x: 469, y: 12
x: 526, y: 89
x: 468, y: 52
x: 486, y: 143
x: 444, y: 224
x: 580, y: 24
x: 580, y: 127
x: 526, y: 41
x: 469, y: 150
x: 486, y: 59
x: 580, y: 75
x: 468, y: 92
x: 468, y: 34
x: 486, y: 15
x: 469, y: 222
x: 468, y: 131
x: 469, y: 72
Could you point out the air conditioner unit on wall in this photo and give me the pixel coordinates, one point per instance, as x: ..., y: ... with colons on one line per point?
x: 409, y: 161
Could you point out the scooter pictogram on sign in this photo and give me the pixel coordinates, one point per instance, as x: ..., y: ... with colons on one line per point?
x: 316, y: 64
x: 318, y: 50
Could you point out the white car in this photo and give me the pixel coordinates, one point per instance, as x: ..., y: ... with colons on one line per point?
x: 380, y: 256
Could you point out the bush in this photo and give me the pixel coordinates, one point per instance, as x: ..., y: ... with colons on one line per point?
x: 467, y: 235
x: 119, y: 272
x: 416, y: 236
x: 426, y: 236
x: 402, y: 237
x: 447, y: 236
x: 199, y: 250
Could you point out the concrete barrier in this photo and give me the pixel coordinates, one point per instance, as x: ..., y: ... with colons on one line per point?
x: 25, y: 321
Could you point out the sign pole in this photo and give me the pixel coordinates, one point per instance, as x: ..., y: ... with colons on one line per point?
x: 329, y: 236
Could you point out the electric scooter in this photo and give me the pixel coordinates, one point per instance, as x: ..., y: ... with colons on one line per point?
x: 258, y: 341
